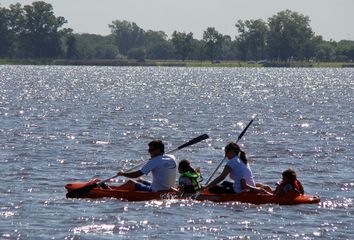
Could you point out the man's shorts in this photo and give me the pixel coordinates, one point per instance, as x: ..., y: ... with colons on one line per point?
x: 143, y: 186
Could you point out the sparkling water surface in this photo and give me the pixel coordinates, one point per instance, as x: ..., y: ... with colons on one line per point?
x: 64, y: 124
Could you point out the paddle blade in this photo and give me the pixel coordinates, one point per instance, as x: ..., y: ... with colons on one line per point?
x: 194, y: 141
x: 80, y: 192
x: 244, y: 130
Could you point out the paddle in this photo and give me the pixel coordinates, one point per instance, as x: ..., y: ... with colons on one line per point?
x: 238, y: 139
x: 86, y: 189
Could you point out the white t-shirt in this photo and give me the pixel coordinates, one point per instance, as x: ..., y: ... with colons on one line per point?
x: 163, y: 170
x: 239, y: 171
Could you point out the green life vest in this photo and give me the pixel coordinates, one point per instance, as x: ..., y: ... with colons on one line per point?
x: 194, y: 179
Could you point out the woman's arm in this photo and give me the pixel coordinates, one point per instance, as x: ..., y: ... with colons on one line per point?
x: 221, y: 177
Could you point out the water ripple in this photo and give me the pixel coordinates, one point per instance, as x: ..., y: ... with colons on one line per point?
x: 61, y: 124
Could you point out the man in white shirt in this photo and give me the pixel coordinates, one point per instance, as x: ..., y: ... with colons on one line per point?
x: 162, y: 166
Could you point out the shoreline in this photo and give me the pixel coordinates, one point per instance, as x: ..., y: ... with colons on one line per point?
x: 174, y: 63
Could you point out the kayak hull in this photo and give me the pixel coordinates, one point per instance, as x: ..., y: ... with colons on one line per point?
x: 119, y: 192
x: 258, y: 198
x: 124, y: 193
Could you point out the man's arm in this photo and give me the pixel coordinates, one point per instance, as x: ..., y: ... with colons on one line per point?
x: 134, y: 174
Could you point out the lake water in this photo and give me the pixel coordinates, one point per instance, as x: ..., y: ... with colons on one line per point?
x: 62, y: 124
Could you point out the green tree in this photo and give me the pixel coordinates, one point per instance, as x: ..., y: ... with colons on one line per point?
x: 5, y: 32
x: 137, y: 53
x: 91, y: 46
x: 11, y: 28
x: 182, y: 43
x: 17, y: 22
x: 41, y: 34
x: 157, y: 46
x: 310, y: 47
x: 345, y: 50
x: 228, y: 48
x: 198, y: 50
x: 325, y: 52
x: 128, y: 35
x: 290, y: 35
x: 213, y: 42
x: 252, y: 40
x: 71, y: 48
x: 164, y: 50
x: 108, y: 51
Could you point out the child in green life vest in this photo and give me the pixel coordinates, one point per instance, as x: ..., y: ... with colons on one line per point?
x: 189, y: 178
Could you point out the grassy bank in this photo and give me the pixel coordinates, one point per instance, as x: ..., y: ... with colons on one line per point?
x: 172, y: 63
x: 26, y: 61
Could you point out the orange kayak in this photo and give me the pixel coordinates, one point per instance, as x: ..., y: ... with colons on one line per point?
x: 125, y: 193
x: 120, y: 192
x: 291, y: 198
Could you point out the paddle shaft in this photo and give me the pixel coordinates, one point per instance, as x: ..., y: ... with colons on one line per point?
x: 238, y: 139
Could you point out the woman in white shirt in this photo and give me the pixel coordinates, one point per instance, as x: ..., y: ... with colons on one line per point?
x: 239, y: 171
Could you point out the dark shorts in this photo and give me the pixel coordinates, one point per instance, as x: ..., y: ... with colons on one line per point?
x: 225, y: 187
x: 143, y: 186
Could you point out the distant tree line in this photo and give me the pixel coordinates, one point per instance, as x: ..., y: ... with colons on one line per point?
x: 33, y: 31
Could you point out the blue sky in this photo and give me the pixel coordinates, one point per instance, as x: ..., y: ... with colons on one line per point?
x: 333, y: 19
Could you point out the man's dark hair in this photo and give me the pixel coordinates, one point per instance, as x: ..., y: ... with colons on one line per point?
x: 157, y: 144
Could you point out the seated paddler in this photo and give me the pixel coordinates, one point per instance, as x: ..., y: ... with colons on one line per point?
x: 289, y: 183
x: 189, y: 179
x: 238, y: 169
x: 162, y: 166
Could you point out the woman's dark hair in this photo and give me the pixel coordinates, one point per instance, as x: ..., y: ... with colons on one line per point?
x: 232, y: 146
x: 157, y: 144
x: 185, y: 166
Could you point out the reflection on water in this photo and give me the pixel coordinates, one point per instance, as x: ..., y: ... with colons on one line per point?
x: 63, y: 124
